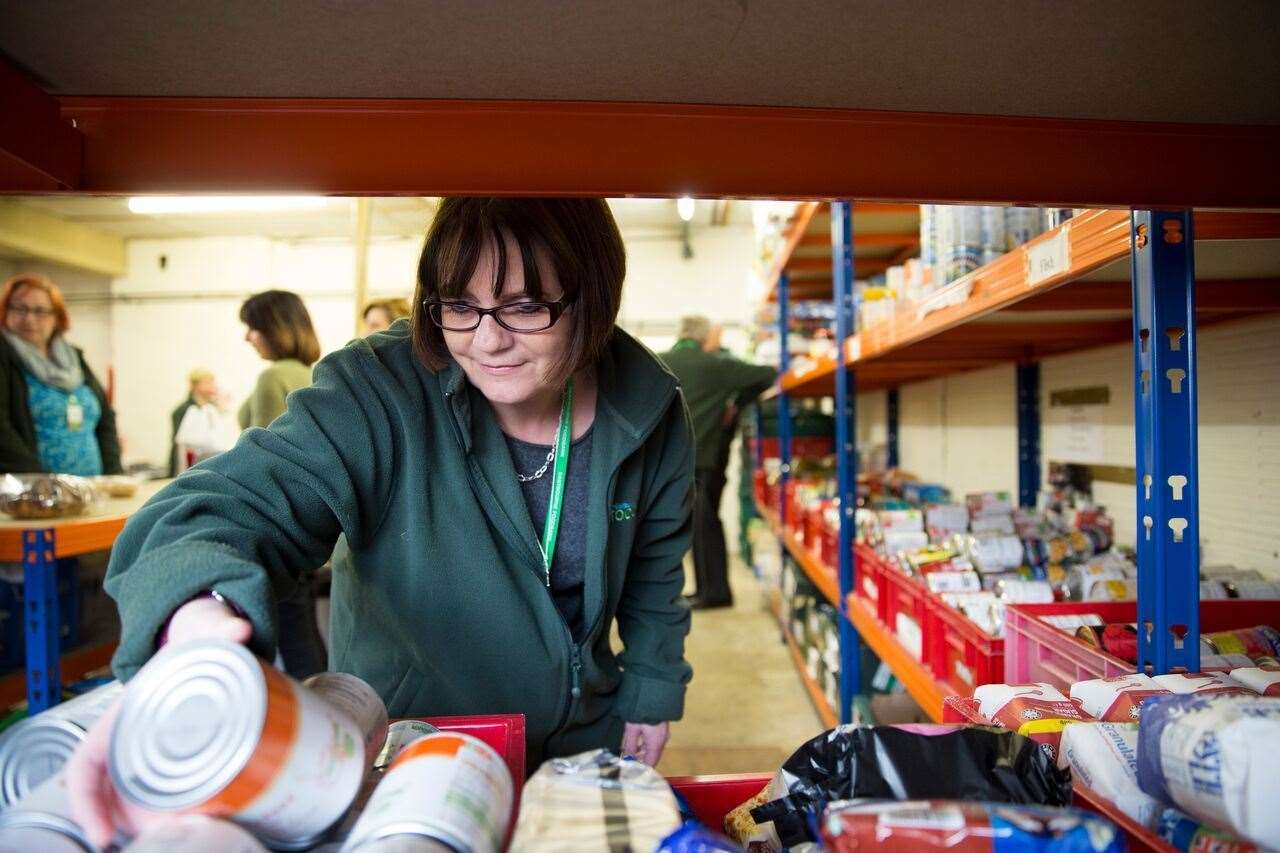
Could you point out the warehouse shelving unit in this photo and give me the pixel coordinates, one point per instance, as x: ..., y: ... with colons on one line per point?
x: 1132, y: 276
x: 38, y: 544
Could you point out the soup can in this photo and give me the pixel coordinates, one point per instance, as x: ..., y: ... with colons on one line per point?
x: 195, y: 833
x: 36, y: 748
x: 448, y: 786
x: 42, y: 821
x: 208, y: 728
x: 360, y: 702
x: 399, y: 735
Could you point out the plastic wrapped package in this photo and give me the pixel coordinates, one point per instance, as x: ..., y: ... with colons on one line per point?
x: 693, y: 837
x: 1200, y: 683
x: 966, y: 826
x: 1037, y: 711
x: 1212, y: 756
x: 1116, y: 700
x: 595, y: 801
x: 1264, y: 681
x: 895, y: 763
x: 37, y: 496
x: 1104, y: 758
x: 1188, y: 835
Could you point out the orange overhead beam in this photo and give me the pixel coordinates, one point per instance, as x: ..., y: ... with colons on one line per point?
x: 864, y: 239
x: 1256, y: 294
x: 139, y: 145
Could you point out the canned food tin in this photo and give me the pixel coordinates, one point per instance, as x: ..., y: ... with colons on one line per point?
x: 448, y: 786
x: 1254, y: 642
x: 36, y: 748
x: 42, y: 821
x: 401, y: 734
x: 406, y: 844
x: 1025, y: 592
x: 195, y: 834
x: 208, y: 728
x: 360, y: 702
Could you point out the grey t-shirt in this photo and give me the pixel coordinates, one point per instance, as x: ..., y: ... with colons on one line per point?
x: 568, y: 566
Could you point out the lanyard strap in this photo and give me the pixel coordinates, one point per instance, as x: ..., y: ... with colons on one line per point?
x: 559, y: 473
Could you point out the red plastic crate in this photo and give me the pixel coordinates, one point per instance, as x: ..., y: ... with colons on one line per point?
x: 961, y: 654
x: 902, y: 595
x: 958, y: 709
x: 869, y: 584
x: 1036, y: 651
x: 712, y: 797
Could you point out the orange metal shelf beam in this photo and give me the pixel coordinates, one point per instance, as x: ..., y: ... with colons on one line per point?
x: 914, y: 677
x: 74, y: 666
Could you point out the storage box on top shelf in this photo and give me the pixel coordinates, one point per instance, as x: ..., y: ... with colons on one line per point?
x: 1037, y: 651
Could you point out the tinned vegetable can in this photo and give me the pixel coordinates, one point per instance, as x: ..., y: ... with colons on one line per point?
x: 448, y: 786
x: 42, y: 821
x: 208, y: 728
x: 36, y: 748
x: 195, y: 834
x: 360, y: 702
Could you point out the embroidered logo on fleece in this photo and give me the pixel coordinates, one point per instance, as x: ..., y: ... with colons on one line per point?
x: 622, y: 512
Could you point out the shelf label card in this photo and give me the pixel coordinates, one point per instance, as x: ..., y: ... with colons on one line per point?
x: 1050, y: 257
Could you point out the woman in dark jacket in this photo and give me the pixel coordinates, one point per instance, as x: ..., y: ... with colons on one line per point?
x: 54, y: 415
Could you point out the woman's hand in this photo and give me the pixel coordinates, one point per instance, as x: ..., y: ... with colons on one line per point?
x: 95, y: 805
x: 645, y: 742
x: 207, y: 618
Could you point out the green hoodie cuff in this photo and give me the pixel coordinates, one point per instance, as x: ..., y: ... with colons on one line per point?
x: 150, y: 590
x: 649, y: 700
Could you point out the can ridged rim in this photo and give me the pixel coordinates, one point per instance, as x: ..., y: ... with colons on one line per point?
x: 417, y: 829
x: 39, y: 742
x: 189, y: 723
x: 19, y: 819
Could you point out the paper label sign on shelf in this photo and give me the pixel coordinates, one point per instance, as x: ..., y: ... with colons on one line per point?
x: 1050, y: 257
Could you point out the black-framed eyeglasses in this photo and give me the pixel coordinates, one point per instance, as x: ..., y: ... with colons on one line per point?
x: 515, y: 317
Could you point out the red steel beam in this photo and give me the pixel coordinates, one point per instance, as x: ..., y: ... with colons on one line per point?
x: 140, y: 145
x: 39, y: 150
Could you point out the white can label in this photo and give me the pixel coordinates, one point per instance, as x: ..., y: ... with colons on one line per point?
x: 451, y: 786
x: 318, y: 780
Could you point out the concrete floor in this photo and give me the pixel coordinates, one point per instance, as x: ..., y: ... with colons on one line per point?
x: 746, y: 710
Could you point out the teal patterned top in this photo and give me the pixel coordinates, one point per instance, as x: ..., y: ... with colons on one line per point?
x: 64, y: 449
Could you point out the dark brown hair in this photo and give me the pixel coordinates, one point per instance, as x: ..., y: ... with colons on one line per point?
x: 282, y: 320
x: 577, y: 237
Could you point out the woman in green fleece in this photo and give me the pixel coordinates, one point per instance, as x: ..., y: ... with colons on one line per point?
x: 510, y: 472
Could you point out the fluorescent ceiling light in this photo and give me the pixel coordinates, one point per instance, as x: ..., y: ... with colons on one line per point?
x: 160, y: 204
x: 684, y: 207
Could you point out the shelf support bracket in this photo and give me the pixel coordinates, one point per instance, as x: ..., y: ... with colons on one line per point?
x: 1028, y: 381
x: 1164, y: 351
x: 846, y: 450
x: 784, y: 399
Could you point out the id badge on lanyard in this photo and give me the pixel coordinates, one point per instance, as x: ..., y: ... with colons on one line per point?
x: 75, y: 414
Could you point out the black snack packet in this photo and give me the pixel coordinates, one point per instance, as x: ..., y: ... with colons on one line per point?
x: 911, y: 763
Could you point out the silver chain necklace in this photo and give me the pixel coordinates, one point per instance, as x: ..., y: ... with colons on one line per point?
x: 529, y: 478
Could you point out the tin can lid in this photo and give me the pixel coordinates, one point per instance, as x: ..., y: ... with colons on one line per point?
x: 48, y: 833
x: 33, y: 751
x: 189, y: 723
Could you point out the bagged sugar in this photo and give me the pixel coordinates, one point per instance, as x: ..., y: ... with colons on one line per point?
x: 1213, y: 756
x: 1116, y: 700
x: 1038, y: 711
x: 1265, y: 682
x: 1197, y: 682
x: 1224, y: 663
x: 1104, y: 758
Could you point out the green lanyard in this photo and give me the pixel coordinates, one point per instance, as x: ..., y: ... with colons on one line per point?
x: 559, y: 473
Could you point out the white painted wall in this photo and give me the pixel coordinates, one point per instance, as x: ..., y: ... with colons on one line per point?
x: 164, y: 318
x: 961, y: 431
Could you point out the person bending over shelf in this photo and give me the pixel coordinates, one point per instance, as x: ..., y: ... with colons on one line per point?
x: 716, y: 386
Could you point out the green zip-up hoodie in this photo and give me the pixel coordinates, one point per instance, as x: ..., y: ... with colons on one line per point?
x: 438, y: 597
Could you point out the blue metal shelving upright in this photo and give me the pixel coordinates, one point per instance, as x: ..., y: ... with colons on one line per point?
x: 891, y: 427
x: 1028, y: 387
x: 784, y: 400
x: 846, y: 450
x: 1164, y: 394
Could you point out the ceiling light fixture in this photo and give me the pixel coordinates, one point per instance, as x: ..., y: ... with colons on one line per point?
x: 684, y: 207
x: 162, y: 204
